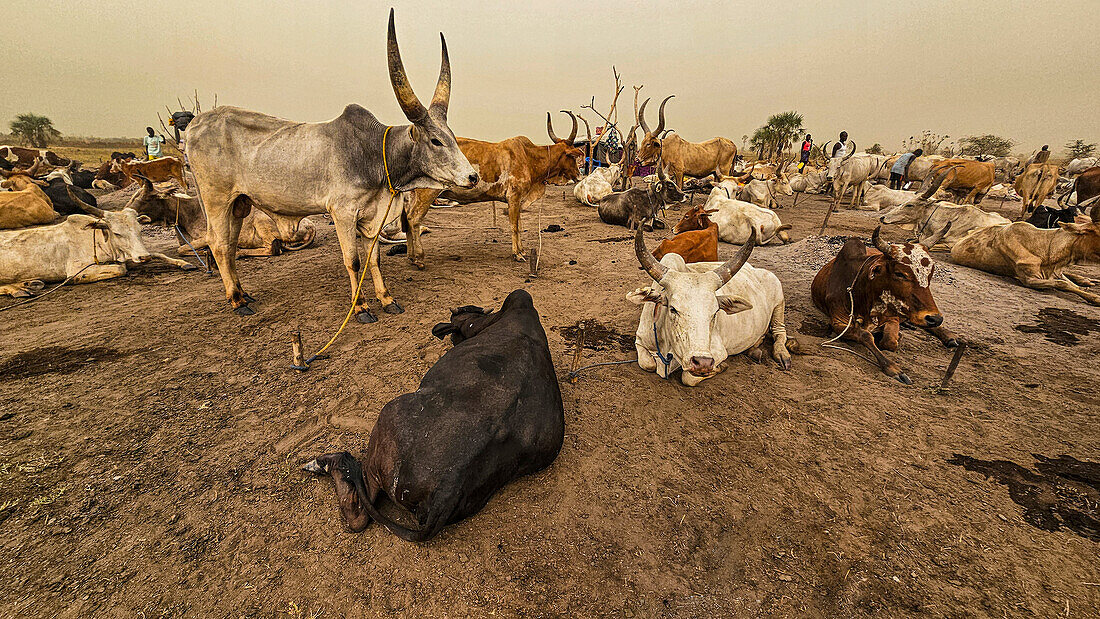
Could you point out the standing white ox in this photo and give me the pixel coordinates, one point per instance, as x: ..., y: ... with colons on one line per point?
x: 853, y: 170
x: 696, y: 315
x: 597, y: 185
x: 738, y: 220
x: 88, y: 248
x: 244, y: 159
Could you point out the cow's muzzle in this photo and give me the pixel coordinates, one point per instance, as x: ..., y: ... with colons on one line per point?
x: 932, y: 321
x: 471, y: 180
x: 700, y: 366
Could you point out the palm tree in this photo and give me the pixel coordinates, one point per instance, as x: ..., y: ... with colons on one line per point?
x: 34, y: 130
x: 763, y: 139
x: 787, y: 126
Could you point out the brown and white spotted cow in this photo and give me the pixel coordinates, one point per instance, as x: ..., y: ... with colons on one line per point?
x: 868, y: 291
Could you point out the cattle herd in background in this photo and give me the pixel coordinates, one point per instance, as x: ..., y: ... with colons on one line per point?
x: 697, y: 310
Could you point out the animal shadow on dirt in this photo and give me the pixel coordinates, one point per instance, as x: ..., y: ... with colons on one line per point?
x: 1061, y: 326
x: 1064, y: 492
x: 597, y: 336
x: 55, y: 360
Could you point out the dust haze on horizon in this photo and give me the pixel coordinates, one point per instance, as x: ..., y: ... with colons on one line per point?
x: 880, y: 70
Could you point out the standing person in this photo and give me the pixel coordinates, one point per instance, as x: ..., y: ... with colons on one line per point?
x: 804, y: 156
x: 152, y: 144
x: 840, y: 149
x: 1040, y: 157
x: 899, y: 172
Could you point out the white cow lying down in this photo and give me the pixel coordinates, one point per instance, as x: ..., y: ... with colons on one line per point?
x: 737, y: 219
x: 597, y: 185
x: 694, y: 316
x: 52, y: 253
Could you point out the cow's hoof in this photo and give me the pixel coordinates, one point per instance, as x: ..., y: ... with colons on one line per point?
x: 785, y: 363
x: 419, y: 264
x: 756, y: 355
x: 519, y: 258
x: 366, y: 317
x: 249, y: 298
x: 393, y: 308
x: 243, y: 310
x: 189, y: 267
x: 903, y: 379
x: 951, y: 343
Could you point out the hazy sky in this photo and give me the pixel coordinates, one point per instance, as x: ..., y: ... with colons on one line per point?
x: 882, y: 70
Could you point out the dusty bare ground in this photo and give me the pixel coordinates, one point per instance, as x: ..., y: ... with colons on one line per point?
x: 150, y: 443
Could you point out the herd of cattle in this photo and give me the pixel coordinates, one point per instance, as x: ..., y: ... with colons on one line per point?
x: 250, y: 198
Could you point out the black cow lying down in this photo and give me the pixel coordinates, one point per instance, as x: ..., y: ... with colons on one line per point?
x: 487, y: 412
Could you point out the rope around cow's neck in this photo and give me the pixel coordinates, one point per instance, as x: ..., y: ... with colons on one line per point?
x: 373, y: 244
x: 851, y: 316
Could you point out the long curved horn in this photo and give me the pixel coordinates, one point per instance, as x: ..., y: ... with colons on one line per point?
x: 824, y: 152
x: 661, y: 115
x: 877, y: 241
x: 1072, y: 188
x: 937, y: 237
x: 587, y: 128
x: 573, y: 133
x: 936, y: 182
x: 550, y: 129
x: 442, y: 98
x: 851, y: 152
x: 665, y: 133
x: 641, y: 117
x: 1081, y: 206
x: 87, y: 208
x: 655, y: 269
x: 410, y: 105
x: 734, y: 264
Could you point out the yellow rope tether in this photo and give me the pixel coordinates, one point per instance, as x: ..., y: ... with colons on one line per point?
x: 374, y: 243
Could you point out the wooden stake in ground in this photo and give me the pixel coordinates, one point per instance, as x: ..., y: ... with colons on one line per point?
x: 954, y: 364
x: 825, y: 223
x: 577, y: 354
x: 296, y: 351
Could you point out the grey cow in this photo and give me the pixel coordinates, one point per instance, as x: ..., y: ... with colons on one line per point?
x: 243, y: 159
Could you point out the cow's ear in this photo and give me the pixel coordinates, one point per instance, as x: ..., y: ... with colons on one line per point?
x: 144, y: 219
x: 414, y: 133
x: 443, y: 329
x: 657, y: 187
x: 877, y: 270
x: 731, y: 304
x: 645, y: 295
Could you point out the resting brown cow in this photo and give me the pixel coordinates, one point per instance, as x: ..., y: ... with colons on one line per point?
x: 261, y: 234
x: 1036, y: 257
x: 25, y: 156
x: 25, y: 207
x: 868, y: 292
x: 515, y: 171
x: 696, y: 238
x: 157, y: 170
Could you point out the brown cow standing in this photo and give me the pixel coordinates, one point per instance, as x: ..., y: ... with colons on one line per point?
x: 972, y: 180
x: 1035, y: 185
x: 515, y: 171
x: 1087, y: 186
x: 696, y: 238
x: 869, y: 291
x: 157, y: 170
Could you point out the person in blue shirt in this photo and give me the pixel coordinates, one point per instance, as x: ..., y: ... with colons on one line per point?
x: 900, y: 170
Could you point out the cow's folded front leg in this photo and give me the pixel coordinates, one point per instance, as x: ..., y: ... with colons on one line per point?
x: 891, y: 333
x: 1080, y: 280
x: 889, y: 368
x: 949, y: 338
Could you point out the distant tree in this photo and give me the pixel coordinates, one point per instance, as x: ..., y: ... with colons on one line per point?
x: 927, y: 141
x: 34, y: 130
x: 777, y: 134
x: 1078, y: 149
x: 988, y: 144
x: 876, y: 149
x: 763, y: 140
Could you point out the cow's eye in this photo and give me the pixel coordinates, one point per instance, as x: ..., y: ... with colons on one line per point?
x: 673, y: 310
x: 436, y: 142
